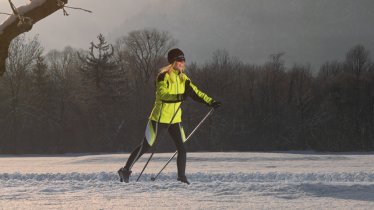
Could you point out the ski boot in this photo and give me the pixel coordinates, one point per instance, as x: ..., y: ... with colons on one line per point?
x: 124, y: 175
x: 183, y: 179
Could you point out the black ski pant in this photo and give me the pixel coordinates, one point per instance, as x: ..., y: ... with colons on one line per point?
x: 153, y: 129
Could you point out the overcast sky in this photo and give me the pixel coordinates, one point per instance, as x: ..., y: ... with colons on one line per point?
x: 308, y: 31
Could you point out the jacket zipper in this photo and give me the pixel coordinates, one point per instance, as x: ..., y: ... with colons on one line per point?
x: 176, y: 79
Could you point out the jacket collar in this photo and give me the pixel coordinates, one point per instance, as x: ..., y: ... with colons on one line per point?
x: 175, y: 71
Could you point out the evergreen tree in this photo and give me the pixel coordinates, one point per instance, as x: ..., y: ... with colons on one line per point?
x: 106, y: 90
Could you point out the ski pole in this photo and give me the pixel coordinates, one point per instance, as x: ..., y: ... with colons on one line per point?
x: 189, y: 136
x: 154, y: 150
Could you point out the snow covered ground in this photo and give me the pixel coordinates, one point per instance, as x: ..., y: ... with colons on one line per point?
x: 218, y: 181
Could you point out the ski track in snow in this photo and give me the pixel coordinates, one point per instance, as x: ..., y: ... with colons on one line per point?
x: 197, y: 177
x: 253, y: 181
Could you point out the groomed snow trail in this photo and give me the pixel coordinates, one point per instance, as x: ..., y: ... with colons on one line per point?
x: 218, y: 181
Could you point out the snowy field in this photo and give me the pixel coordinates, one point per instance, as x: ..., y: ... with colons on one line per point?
x: 218, y: 181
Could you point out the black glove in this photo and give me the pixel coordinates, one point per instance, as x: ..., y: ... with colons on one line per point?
x: 215, y: 104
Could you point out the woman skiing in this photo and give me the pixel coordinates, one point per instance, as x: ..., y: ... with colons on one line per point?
x: 172, y: 87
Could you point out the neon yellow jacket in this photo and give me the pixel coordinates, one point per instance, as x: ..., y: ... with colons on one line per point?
x: 167, y: 101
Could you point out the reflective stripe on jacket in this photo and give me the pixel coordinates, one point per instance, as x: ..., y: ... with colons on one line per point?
x: 167, y: 102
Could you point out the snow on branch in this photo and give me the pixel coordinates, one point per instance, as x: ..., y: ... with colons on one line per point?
x: 3, y: 13
x: 22, y: 20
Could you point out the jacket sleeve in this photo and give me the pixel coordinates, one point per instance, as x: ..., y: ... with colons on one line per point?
x: 163, y: 92
x: 197, y: 95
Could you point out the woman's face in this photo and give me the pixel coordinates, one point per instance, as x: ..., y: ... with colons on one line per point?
x: 179, y: 65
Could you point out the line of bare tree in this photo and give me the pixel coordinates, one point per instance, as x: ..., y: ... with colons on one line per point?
x: 99, y: 100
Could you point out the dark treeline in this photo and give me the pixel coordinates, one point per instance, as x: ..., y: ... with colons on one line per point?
x: 99, y: 100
